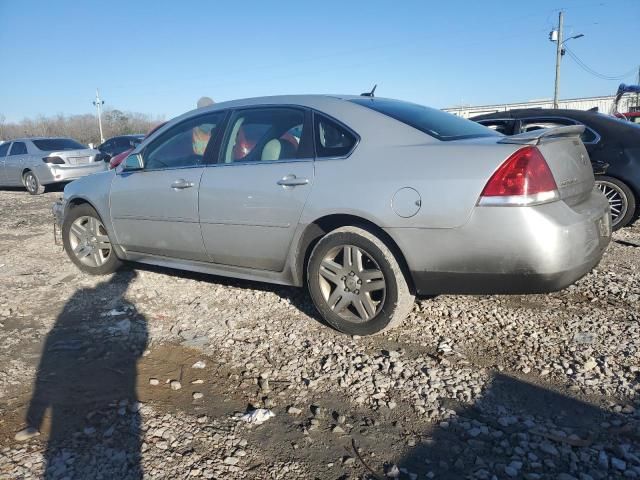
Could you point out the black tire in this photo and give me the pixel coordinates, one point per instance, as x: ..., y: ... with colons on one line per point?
x: 620, y: 198
x: 391, y: 307
x: 69, y: 240
x: 32, y: 184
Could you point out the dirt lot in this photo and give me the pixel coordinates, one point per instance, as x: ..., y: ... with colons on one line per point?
x: 146, y: 373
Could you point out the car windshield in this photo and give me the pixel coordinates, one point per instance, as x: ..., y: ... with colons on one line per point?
x: 436, y: 123
x: 50, y: 144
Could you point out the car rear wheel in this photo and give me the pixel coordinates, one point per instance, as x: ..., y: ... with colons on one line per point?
x: 621, y: 200
x: 87, y: 241
x: 356, y: 282
x: 32, y: 184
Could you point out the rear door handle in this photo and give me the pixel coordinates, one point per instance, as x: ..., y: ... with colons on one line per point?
x: 292, y: 181
x: 181, y: 184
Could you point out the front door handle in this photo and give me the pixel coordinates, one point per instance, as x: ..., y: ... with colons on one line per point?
x: 181, y: 184
x: 292, y: 181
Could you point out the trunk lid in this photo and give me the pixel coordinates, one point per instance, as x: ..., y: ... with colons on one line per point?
x: 76, y: 157
x: 566, y: 156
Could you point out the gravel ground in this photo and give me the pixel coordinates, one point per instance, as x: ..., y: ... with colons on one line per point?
x: 150, y: 371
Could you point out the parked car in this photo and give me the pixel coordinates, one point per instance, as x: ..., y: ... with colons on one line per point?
x: 613, y: 146
x: 369, y: 201
x: 39, y: 161
x: 117, y: 159
x: 117, y: 145
x: 633, y: 117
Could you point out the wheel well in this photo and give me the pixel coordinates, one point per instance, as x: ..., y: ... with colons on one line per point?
x: 631, y: 186
x: 320, y: 227
x: 25, y: 171
x: 77, y: 202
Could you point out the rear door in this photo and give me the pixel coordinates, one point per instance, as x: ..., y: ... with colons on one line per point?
x: 155, y: 210
x: 14, y: 163
x: 4, y: 149
x: 252, y: 198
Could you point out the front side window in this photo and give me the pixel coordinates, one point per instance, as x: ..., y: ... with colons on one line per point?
x: 332, y: 140
x: 185, y: 144
x: 436, y: 123
x: 4, y: 148
x: 265, y: 134
x: 18, y: 148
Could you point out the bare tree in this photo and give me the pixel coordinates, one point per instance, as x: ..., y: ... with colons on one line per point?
x: 83, y: 128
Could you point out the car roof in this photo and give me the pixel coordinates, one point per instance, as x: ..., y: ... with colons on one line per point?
x: 126, y: 135
x: 605, y: 125
x: 307, y: 100
x: 28, y: 139
x: 537, y: 112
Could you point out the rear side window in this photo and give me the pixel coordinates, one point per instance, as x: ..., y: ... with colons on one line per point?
x: 332, y: 140
x: 264, y: 134
x: 504, y: 127
x: 18, y: 148
x: 50, y: 144
x: 4, y: 148
x: 436, y: 123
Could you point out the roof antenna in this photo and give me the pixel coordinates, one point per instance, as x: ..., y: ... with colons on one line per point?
x: 371, y: 93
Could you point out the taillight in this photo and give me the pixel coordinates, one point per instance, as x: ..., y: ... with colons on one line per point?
x: 523, y: 179
x: 53, y: 160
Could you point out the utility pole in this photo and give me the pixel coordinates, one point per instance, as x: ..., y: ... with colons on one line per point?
x: 638, y: 94
x: 98, y: 103
x: 558, y: 58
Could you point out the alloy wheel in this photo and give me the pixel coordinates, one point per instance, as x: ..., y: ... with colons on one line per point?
x: 618, y: 202
x: 89, y: 241
x: 30, y: 182
x: 352, y: 283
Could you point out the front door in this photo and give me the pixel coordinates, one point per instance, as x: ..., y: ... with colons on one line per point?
x: 155, y: 210
x: 15, y: 162
x: 252, y: 199
x: 4, y: 149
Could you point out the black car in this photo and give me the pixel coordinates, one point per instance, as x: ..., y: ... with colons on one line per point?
x: 117, y: 145
x: 613, y: 145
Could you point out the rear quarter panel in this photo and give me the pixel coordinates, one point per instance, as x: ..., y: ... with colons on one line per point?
x: 449, y: 177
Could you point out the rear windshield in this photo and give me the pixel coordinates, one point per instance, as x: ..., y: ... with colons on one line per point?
x: 441, y: 125
x: 58, y: 144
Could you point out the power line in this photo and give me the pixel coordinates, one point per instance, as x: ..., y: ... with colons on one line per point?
x: 593, y: 72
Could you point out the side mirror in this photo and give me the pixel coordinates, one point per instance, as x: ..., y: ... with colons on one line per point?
x: 133, y: 162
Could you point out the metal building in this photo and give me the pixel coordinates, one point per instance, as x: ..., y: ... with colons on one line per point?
x: 602, y: 103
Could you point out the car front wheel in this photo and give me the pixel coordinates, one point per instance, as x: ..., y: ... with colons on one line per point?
x: 356, y: 282
x: 621, y: 200
x: 87, y: 241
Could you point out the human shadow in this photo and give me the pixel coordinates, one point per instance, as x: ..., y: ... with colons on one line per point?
x: 523, y: 430
x: 298, y: 297
x: 85, y: 390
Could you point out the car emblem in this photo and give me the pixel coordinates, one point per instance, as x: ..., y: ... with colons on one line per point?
x: 582, y: 159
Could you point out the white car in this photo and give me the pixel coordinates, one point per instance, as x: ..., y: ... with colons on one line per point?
x: 39, y: 161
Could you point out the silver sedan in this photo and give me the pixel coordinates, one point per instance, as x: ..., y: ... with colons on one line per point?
x: 366, y: 201
x: 38, y: 161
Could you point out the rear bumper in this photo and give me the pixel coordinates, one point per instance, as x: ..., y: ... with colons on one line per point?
x: 431, y: 283
x: 509, y: 250
x: 65, y: 173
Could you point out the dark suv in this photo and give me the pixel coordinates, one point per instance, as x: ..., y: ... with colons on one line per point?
x: 613, y: 145
x: 119, y: 144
